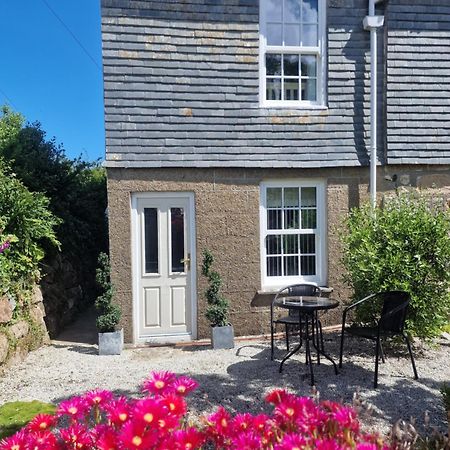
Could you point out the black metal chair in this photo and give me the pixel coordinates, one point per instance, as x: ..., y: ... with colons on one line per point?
x: 390, y: 323
x: 292, y: 319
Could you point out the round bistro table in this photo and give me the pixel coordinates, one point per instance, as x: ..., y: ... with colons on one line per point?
x: 307, y: 308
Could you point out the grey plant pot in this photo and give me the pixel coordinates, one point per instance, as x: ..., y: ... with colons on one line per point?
x: 110, y: 343
x: 222, y: 337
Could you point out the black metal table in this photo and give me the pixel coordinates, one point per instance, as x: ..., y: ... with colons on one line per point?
x: 307, y: 308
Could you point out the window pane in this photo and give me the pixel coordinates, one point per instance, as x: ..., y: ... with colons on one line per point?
x: 273, y: 245
x: 307, y: 243
x: 309, y: 11
x: 290, y: 265
x: 151, y: 240
x: 309, y: 219
x: 291, y: 219
x: 292, y: 34
x: 309, y: 66
x: 273, y: 89
x: 291, y: 89
x: 309, y: 89
x: 291, y: 197
x: 274, y: 219
x: 308, y: 265
x: 309, y: 197
x: 274, y: 266
x: 274, y: 197
x: 290, y: 244
x: 292, y: 11
x: 274, y: 9
x: 273, y: 64
x: 309, y: 35
x: 274, y: 34
x: 177, y: 238
x: 291, y: 65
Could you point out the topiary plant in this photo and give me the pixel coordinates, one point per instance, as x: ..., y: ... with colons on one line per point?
x: 217, y: 310
x: 109, y: 313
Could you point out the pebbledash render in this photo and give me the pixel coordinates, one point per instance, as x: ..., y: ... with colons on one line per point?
x: 243, y: 126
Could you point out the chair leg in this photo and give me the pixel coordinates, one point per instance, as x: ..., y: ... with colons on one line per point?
x: 377, y: 354
x: 287, y: 337
x: 412, y: 357
x: 272, y: 343
x: 342, y: 345
x: 382, y: 352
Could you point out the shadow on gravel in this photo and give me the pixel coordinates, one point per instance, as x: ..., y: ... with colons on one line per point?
x: 83, y: 349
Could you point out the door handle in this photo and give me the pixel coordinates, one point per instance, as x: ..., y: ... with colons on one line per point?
x: 186, y: 261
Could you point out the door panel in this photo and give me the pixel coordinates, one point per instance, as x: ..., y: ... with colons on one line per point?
x: 164, y: 248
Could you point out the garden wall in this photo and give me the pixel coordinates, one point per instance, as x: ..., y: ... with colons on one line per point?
x: 22, y: 333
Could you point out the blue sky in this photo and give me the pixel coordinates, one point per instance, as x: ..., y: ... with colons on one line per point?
x: 48, y: 77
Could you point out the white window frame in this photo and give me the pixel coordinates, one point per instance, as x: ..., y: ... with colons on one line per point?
x: 272, y: 283
x: 320, y: 51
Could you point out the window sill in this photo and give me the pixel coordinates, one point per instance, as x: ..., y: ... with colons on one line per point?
x: 293, y: 107
x: 274, y: 290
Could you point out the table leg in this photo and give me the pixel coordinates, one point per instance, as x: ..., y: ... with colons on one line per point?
x: 307, y: 347
x: 320, y: 349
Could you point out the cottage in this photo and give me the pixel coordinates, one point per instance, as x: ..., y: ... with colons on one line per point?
x: 248, y: 127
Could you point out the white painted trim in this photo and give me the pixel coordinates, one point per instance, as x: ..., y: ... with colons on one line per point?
x: 320, y: 51
x: 176, y: 337
x: 321, y: 261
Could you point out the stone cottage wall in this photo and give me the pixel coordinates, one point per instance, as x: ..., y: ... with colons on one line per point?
x: 227, y: 222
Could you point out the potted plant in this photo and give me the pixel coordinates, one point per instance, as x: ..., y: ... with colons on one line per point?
x: 110, y: 340
x: 222, y: 332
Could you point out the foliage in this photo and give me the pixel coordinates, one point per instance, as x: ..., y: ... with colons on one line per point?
x: 404, y: 245
x: 445, y: 391
x: 26, y: 223
x: 15, y: 415
x: 76, y: 190
x: 101, y: 420
x: 109, y: 313
x: 217, y: 310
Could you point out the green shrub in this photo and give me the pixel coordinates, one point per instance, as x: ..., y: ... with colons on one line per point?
x: 27, y: 224
x: 217, y: 310
x: 76, y: 191
x: 404, y: 245
x: 109, y: 313
x: 15, y: 415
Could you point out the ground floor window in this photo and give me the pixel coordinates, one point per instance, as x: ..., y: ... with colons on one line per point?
x: 292, y: 232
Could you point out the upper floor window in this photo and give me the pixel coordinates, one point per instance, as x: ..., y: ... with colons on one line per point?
x: 291, y: 52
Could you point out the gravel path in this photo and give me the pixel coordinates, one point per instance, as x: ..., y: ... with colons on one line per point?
x: 239, y: 378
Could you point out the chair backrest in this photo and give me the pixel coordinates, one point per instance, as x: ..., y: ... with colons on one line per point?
x: 395, y: 307
x: 306, y: 289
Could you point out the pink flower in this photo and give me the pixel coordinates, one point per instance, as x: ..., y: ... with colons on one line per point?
x: 175, y: 405
x: 117, y: 411
x: 44, y: 440
x: 159, y: 383
x: 41, y: 422
x: 76, y: 408
x: 277, y: 396
x: 242, y: 423
x: 98, y: 397
x: 15, y: 442
x: 327, y: 444
x: 184, y: 385
x: 219, y: 426
x: 76, y: 437
x: 291, y: 441
x: 148, y: 411
x: 133, y: 436
x: 346, y: 418
x: 105, y: 438
x: 247, y: 441
x: 4, y: 246
x: 189, y: 439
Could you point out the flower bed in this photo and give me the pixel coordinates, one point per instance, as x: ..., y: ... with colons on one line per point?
x: 101, y: 420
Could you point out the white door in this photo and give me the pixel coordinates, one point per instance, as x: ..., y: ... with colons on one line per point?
x: 164, y: 303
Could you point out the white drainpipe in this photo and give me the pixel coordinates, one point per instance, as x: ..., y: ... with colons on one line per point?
x: 372, y: 23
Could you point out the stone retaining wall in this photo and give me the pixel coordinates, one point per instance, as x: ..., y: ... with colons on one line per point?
x: 19, y: 335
